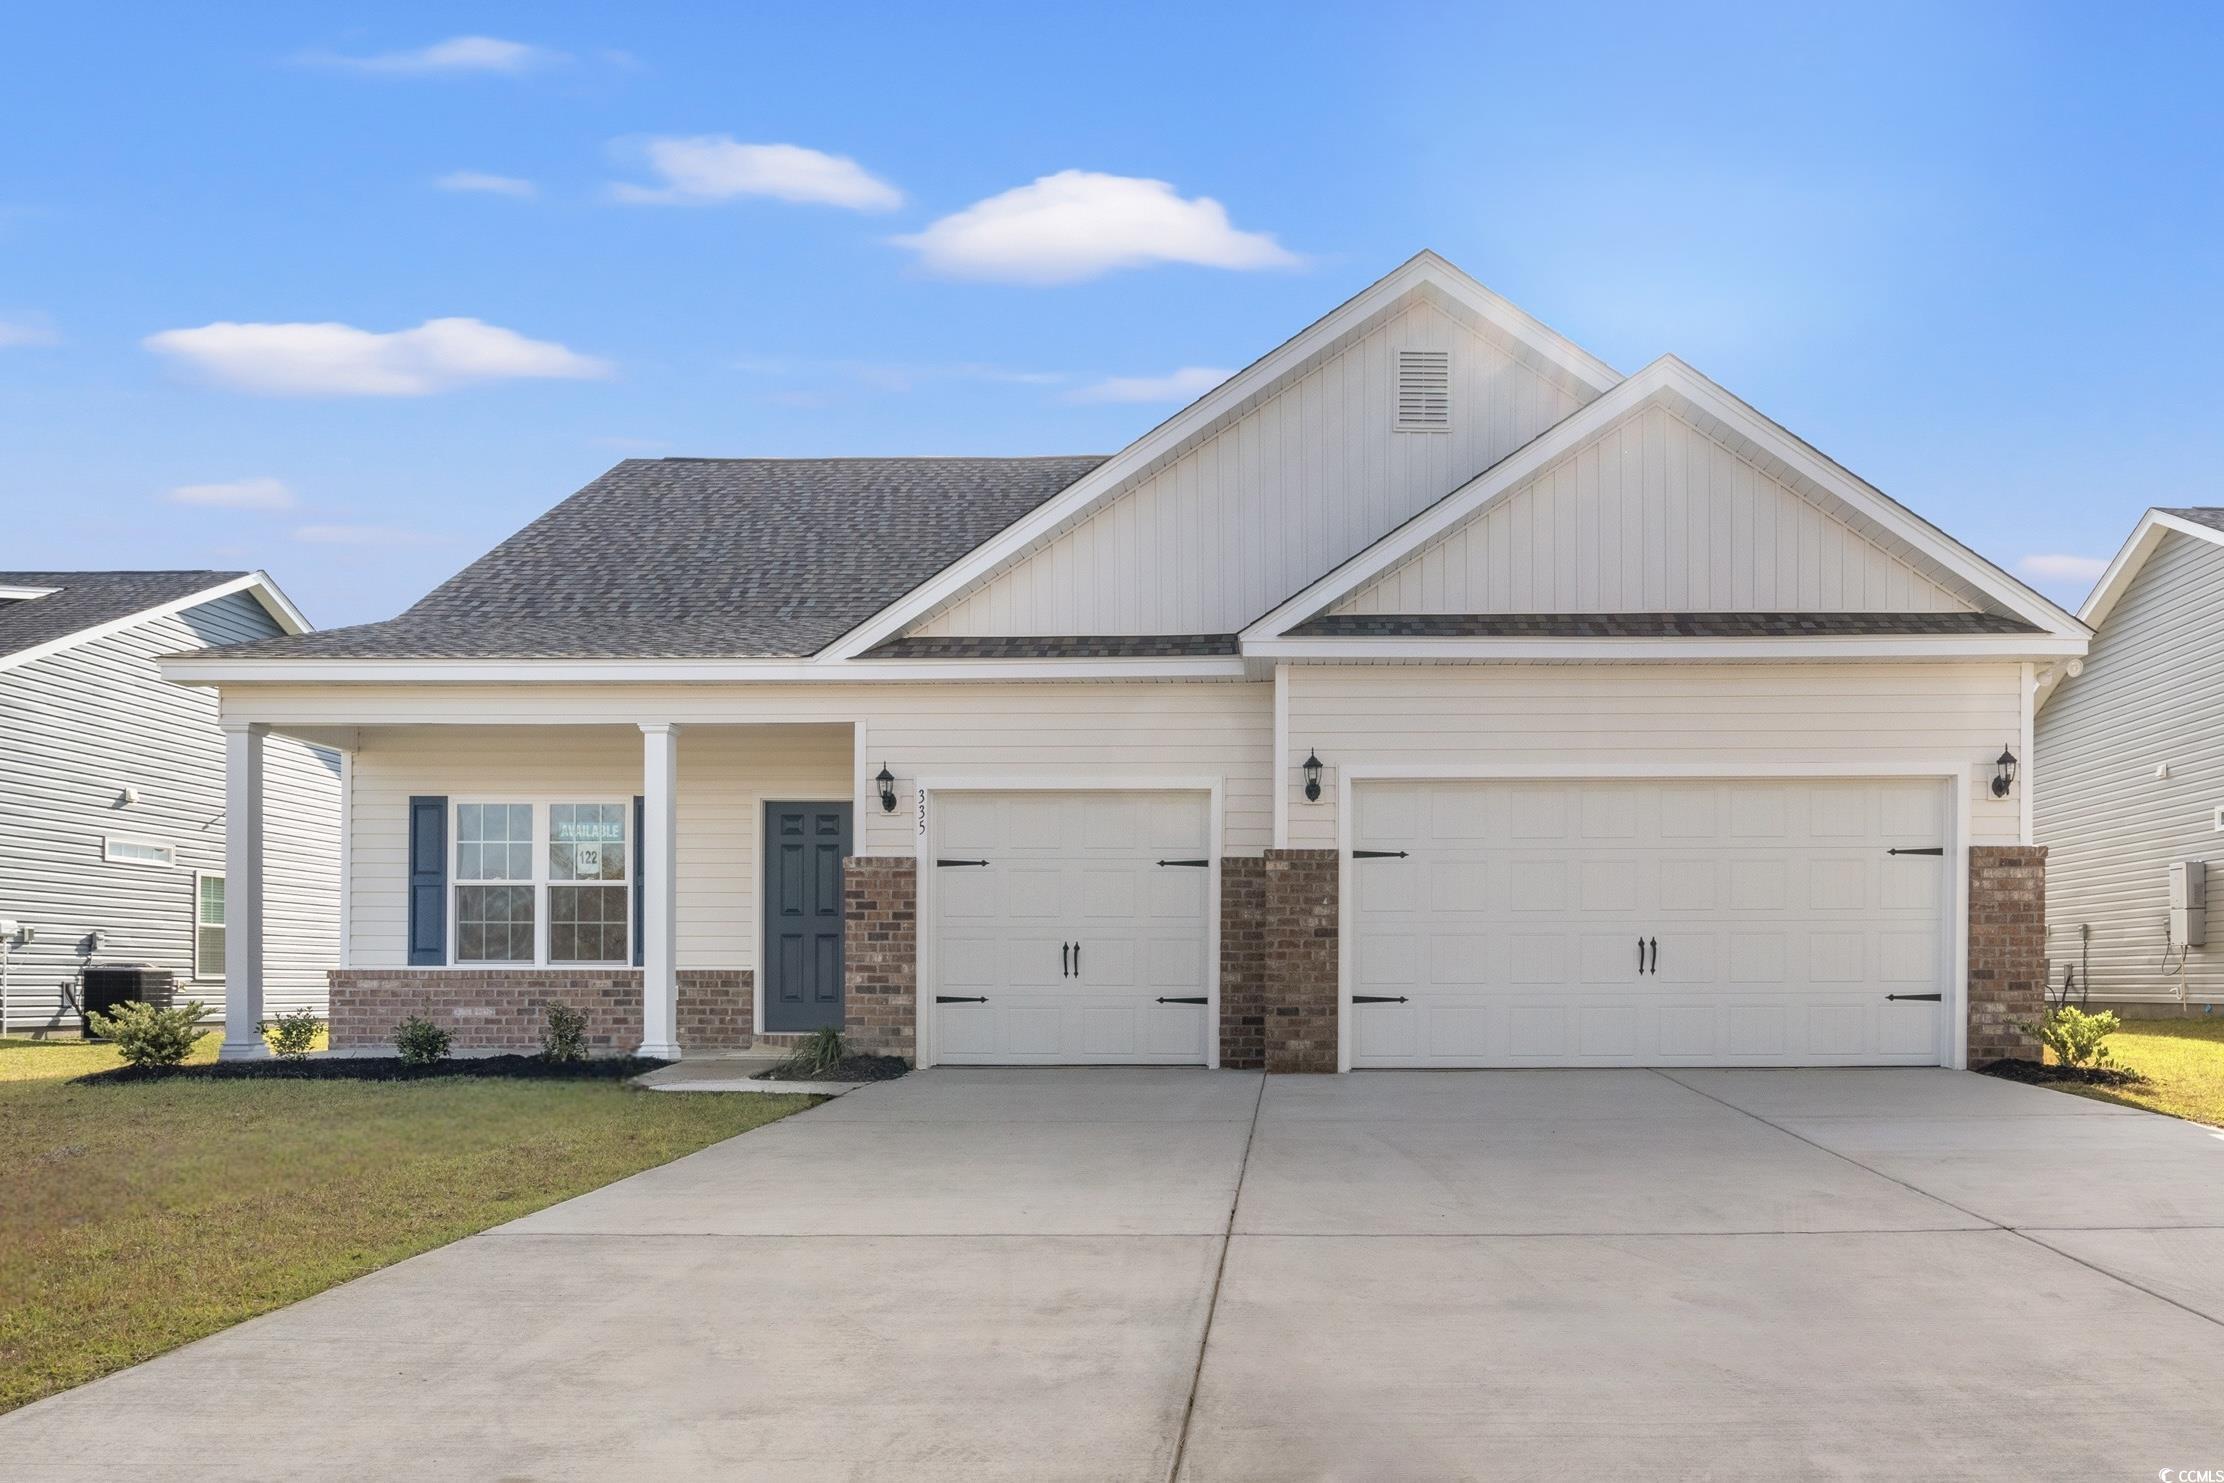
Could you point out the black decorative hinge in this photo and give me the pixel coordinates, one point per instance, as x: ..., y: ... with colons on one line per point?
x: 1934, y: 998
x: 1164, y: 999
x: 1378, y: 998
x: 1199, y: 863
x: 961, y: 998
x: 1927, y: 849
x: 1378, y: 854
x: 961, y: 862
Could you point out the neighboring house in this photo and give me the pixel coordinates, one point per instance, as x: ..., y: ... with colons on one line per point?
x: 1429, y: 694
x: 112, y: 806
x: 2131, y: 769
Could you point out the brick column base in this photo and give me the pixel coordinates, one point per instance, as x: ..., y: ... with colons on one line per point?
x: 2007, y: 950
x: 505, y: 1009
x: 1298, y: 900
x: 880, y: 954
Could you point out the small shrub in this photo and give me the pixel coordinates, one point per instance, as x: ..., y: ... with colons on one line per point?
x: 146, y: 1036
x: 821, y: 1053
x: 420, y: 1042
x: 292, y: 1036
x: 2075, y: 1037
x: 564, y: 1034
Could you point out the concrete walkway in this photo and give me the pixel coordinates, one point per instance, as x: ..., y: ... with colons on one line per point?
x: 1150, y: 1274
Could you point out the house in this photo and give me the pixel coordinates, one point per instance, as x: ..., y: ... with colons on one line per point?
x: 1428, y: 694
x: 2131, y: 780
x: 112, y: 796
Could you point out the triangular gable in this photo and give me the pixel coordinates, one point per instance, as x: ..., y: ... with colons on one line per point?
x: 1540, y: 351
x: 1699, y: 406
x: 2153, y: 528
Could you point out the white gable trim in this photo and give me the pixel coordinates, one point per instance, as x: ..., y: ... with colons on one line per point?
x: 1665, y: 375
x: 2145, y: 536
x: 1424, y: 269
x: 1678, y: 650
x: 257, y: 584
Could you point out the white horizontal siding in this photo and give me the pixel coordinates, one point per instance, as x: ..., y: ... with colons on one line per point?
x: 1858, y: 715
x: 2152, y: 693
x: 725, y: 777
x: 81, y: 725
x: 1651, y: 516
x: 1280, y: 494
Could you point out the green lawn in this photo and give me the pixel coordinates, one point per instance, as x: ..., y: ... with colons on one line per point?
x: 136, y: 1218
x: 2183, y: 1061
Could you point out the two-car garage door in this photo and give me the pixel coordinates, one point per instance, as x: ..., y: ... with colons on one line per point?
x: 1647, y: 923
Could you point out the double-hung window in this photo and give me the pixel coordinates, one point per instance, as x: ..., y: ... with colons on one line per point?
x: 543, y: 883
x: 208, y: 926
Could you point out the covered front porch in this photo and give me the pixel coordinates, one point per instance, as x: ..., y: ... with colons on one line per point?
x: 687, y: 886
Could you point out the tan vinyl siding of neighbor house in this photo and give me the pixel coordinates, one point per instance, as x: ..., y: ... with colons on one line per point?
x: 1860, y: 715
x: 2152, y: 693
x: 1651, y: 516
x: 1276, y: 495
x: 582, y: 741
x: 78, y: 727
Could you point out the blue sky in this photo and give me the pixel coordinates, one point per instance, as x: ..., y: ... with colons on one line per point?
x: 350, y: 294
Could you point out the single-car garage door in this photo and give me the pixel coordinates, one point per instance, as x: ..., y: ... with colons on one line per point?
x: 1070, y: 927
x: 1662, y: 923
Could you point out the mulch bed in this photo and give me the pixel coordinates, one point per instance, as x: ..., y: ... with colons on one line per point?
x: 382, y: 1068
x: 848, y: 1068
x: 2035, y: 1074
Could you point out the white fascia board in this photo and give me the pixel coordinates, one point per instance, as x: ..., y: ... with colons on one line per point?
x: 24, y: 594
x: 2032, y: 646
x: 1665, y: 376
x: 1424, y: 269
x: 2145, y: 536
x: 277, y: 604
x: 189, y: 669
x: 254, y: 582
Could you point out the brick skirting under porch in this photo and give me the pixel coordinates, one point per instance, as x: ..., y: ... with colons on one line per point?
x: 505, y: 1008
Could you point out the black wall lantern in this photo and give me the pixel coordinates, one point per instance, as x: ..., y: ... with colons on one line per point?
x: 1312, y: 777
x: 887, y: 781
x: 2004, y: 776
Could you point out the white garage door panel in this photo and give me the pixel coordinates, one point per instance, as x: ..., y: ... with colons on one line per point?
x: 1070, y: 868
x: 1513, y: 926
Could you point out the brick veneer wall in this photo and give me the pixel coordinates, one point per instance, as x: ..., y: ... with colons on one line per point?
x: 1243, y: 980
x: 880, y: 954
x: 1299, y: 912
x: 505, y: 1008
x: 2007, y: 950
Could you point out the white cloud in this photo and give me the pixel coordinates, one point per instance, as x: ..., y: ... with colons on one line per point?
x: 715, y: 167
x: 1078, y: 224
x: 492, y: 185
x: 240, y: 494
x: 458, y: 54
x: 1184, y: 385
x: 2063, y: 568
x: 27, y: 329
x: 360, y: 535
x: 341, y: 360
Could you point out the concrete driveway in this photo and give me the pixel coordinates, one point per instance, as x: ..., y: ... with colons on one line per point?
x: 1149, y: 1274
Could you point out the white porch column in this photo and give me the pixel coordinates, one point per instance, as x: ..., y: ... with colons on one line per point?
x: 660, y: 776
x: 243, y: 892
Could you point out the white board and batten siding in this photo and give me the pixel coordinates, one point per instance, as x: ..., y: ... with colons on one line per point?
x: 2151, y: 696
x: 83, y: 724
x: 1652, y: 516
x: 742, y: 744
x: 1274, y: 496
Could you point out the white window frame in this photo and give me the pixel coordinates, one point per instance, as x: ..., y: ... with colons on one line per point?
x: 539, y: 880
x: 201, y: 972
x: 108, y: 843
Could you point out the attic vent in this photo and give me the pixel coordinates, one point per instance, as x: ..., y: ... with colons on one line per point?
x: 1424, y: 391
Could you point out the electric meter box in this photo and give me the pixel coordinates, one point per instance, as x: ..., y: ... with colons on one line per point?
x: 2189, y: 903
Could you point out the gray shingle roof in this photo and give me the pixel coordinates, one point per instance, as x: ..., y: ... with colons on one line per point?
x: 1087, y: 646
x: 707, y: 558
x: 1654, y: 625
x: 88, y: 599
x: 2208, y: 515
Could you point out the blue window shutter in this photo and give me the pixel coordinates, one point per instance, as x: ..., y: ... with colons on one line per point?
x: 640, y: 871
x: 428, y: 881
